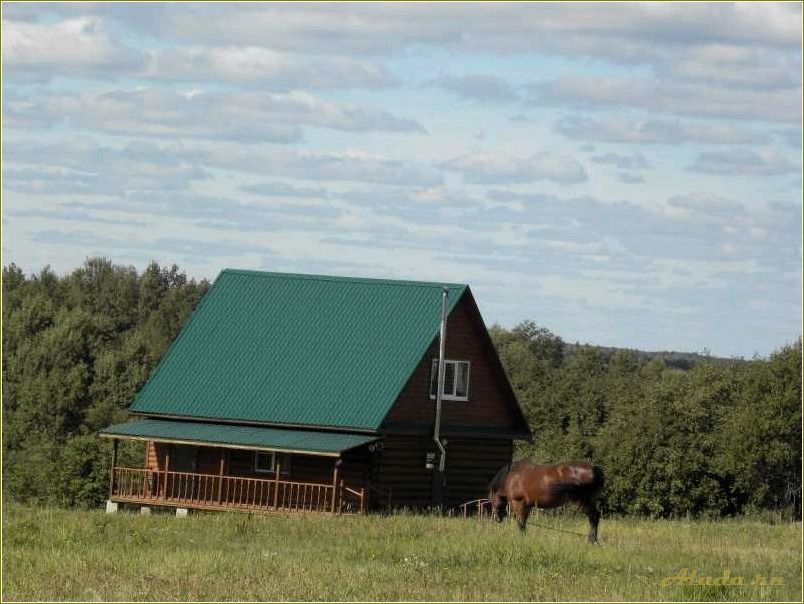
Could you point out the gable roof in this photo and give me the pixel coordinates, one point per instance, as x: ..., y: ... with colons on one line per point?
x: 297, y: 350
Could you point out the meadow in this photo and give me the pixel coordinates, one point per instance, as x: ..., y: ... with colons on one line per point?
x: 56, y: 554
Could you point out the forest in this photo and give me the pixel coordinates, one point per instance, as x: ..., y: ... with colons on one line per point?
x: 677, y: 435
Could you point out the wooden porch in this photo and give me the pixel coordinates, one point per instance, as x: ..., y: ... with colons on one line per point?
x: 218, y: 492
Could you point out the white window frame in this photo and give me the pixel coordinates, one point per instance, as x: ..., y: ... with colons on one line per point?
x: 260, y: 470
x: 434, y: 374
x: 286, y: 460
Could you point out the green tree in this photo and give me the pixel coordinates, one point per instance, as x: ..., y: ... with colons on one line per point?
x: 75, y: 351
x: 759, y: 436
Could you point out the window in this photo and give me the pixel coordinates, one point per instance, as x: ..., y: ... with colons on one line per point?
x: 265, y: 462
x: 183, y: 459
x: 456, y: 380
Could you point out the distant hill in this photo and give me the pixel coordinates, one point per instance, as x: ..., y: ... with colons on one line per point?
x: 672, y: 359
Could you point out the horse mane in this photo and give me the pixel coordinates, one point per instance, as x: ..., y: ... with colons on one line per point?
x: 496, y: 482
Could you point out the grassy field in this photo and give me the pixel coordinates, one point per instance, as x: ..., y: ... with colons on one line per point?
x: 53, y: 554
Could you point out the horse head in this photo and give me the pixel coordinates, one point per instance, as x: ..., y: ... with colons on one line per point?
x: 499, y: 505
x: 497, y: 494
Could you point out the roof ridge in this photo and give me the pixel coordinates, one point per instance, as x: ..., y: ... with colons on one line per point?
x: 314, y: 277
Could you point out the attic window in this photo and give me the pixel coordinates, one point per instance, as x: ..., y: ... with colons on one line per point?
x: 456, y: 380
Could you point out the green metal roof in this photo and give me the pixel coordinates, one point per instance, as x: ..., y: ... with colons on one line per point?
x: 300, y: 350
x: 251, y: 437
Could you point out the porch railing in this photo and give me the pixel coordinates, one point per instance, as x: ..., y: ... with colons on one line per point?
x: 212, y: 491
x: 352, y: 500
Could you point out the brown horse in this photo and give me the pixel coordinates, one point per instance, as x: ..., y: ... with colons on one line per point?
x: 525, y: 485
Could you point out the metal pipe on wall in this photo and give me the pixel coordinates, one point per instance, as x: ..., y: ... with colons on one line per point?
x: 442, y: 340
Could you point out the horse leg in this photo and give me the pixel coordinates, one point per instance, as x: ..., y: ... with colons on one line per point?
x: 521, y: 511
x: 590, y: 509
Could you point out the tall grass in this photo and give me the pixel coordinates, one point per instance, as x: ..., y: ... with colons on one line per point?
x: 54, y: 554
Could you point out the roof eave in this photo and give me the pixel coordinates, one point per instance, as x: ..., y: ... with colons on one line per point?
x: 261, y: 424
x: 203, y: 443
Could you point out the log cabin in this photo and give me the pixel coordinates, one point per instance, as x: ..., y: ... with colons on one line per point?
x: 305, y: 392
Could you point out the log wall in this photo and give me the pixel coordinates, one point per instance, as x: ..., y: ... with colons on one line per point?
x: 489, y: 405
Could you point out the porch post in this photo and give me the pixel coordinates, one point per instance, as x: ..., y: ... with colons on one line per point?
x: 276, y: 485
x: 220, y: 475
x: 111, y: 471
x: 167, y: 468
x: 335, y: 484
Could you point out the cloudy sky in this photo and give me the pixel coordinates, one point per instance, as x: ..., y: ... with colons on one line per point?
x: 627, y: 175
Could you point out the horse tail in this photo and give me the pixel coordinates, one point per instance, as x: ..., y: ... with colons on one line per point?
x: 598, y: 479
x: 499, y: 477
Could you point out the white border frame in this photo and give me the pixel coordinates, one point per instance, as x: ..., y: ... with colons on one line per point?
x: 451, y: 397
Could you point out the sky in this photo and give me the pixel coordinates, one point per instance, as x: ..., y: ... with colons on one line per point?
x: 622, y: 174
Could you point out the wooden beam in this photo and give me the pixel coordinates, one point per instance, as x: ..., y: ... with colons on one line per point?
x: 220, y: 474
x: 335, y: 485
x: 167, y: 469
x: 276, y: 486
x: 111, y: 471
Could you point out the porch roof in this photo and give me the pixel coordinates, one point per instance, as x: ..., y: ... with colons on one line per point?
x: 309, y: 442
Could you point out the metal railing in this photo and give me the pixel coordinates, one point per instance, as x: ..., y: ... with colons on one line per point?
x: 480, y: 508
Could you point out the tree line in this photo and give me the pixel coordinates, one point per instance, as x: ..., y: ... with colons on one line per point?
x: 76, y: 349
x: 698, y: 436
x: 722, y: 437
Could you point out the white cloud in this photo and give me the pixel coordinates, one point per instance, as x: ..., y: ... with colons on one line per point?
x: 497, y: 168
x: 244, y: 116
x: 281, y: 189
x: 354, y: 166
x: 792, y: 137
x: 635, y: 161
x: 758, y: 233
x: 742, y: 162
x: 667, y: 96
x: 625, y: 31
x: 86, y: 45
x: 88, y: 157
x: 660, y: 131
x: 737, y: 66
x: 630, y: 178
x: 264, y: 66
x: 78, y: 44
x: 73, y: 167
x: 737, y: 45
x: 704, y: 204
x: 477, y: 87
